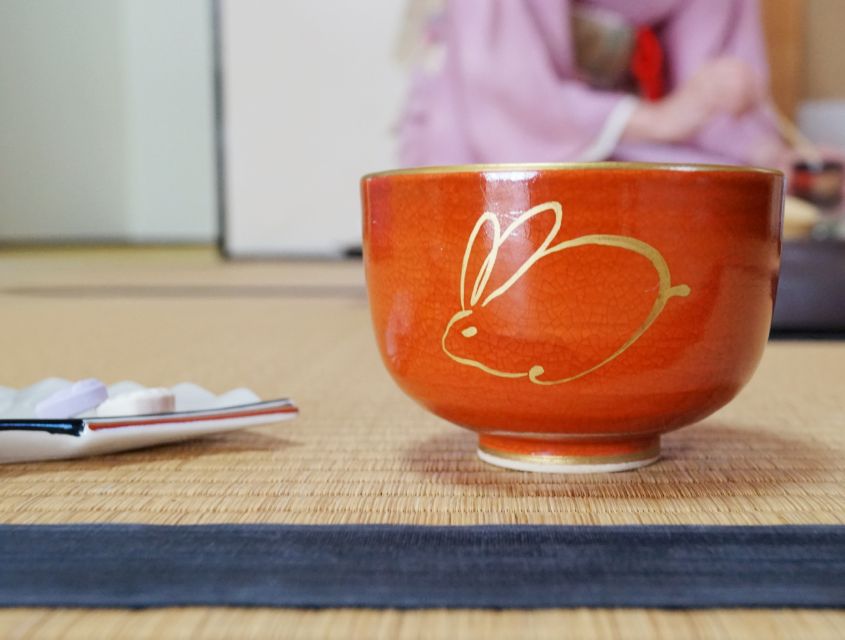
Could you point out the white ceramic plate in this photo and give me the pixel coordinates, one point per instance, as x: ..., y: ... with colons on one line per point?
x: 24, y: 438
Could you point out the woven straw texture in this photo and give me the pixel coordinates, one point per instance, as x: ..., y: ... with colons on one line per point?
x: 361, y: 452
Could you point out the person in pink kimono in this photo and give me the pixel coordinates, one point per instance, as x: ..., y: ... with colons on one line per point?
x: 586, y: 80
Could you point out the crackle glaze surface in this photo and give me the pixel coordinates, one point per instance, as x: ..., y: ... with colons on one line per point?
x: 597, y: 305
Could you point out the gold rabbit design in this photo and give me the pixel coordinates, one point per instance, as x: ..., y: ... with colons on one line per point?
x: 665, y: 291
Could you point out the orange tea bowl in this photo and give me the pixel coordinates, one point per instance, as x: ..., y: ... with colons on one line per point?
x: 571, y: 314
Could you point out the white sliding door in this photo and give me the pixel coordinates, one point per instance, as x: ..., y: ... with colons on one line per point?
x: 310, y: 91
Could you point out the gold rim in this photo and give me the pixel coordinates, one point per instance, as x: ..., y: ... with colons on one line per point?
x: 567, y: 166
x: 636, y: 456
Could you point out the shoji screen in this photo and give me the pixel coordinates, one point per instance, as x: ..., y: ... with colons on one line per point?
x: 308, y: 94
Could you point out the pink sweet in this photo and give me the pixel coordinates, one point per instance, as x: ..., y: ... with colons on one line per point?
x: 79, y: 397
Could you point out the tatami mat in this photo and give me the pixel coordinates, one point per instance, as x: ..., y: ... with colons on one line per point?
x: 361, y: 452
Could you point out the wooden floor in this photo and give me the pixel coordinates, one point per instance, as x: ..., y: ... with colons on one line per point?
x: 363, y: 453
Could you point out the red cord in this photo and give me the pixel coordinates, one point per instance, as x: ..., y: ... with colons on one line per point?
x: 647, y: 64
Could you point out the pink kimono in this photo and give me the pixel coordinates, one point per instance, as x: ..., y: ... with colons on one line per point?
x: 507, y: 88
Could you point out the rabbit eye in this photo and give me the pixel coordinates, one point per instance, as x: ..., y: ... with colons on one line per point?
x: 469, y: 332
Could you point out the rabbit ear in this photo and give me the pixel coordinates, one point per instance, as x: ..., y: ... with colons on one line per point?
x: 521, y: 221
x: 472, y: 284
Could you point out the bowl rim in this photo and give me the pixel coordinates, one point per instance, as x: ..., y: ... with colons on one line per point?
x: 523, y: 167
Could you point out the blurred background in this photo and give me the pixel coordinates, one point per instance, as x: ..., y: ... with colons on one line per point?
x: 246, y: 124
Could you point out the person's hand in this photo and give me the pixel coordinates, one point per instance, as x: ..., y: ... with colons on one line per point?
x: 773, y: 153
x: 777, y: 155
x: 723, y: 85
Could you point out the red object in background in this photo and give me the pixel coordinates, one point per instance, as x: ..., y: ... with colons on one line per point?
x: 647, y: 64
x: 821, y: 184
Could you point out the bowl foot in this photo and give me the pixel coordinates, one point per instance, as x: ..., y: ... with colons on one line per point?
x: 569, y: 456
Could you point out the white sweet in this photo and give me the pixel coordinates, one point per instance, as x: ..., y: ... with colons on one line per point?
x: 124, y: 386
x: 7, y: 398
x: 236, y: 397
x: 116, y: 389
x: 138, y: 403
x: 192, y: 397
x: 23, y: 403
